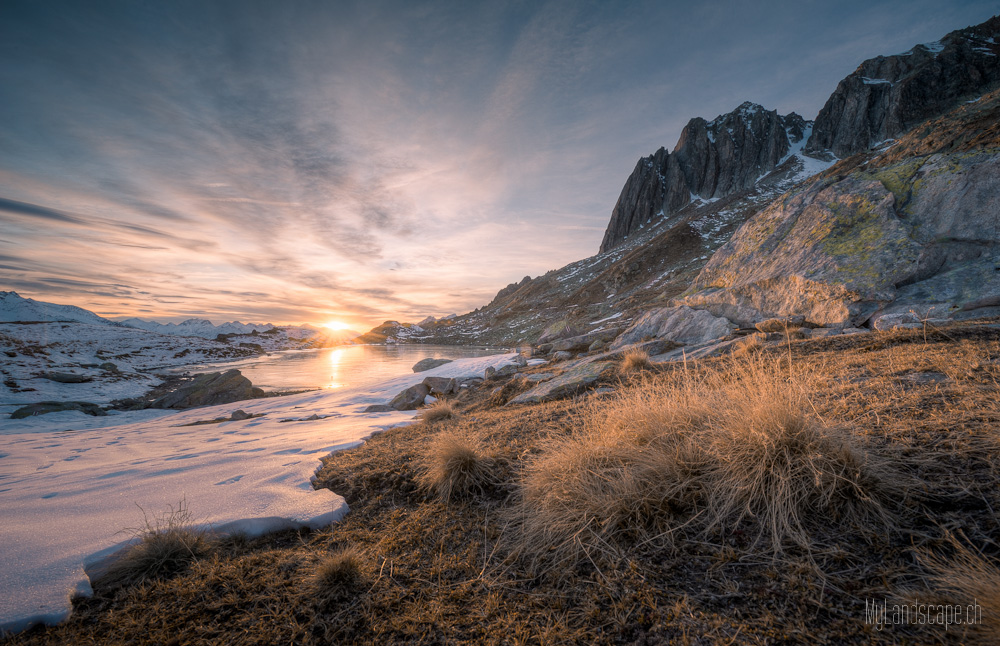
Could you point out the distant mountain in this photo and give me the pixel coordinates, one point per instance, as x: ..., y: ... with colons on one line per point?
x: 15, y: 308
x: 197, y: 327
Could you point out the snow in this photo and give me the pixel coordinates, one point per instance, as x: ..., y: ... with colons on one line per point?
x: 13, y: 307
x: 871, y: 81
x: 68, y: 489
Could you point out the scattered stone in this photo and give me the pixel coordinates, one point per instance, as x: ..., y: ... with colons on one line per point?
x: 440, y: 385
x: 380, y: 408
x: 67, y: 377
x: 429, y: 363
x: 210, y: 389
x: 240, y: 414
x: 539, y: 376
x: 544, y: 348
x: 597, y: 346
x: 107, y: 366
x: 582, y: 342
x: 41, y: 408
x: 520, y: 360
x: 559, y: 330
x: 312, y: 418
x: 10, y: 353
x: 489, y: 373
x: 562, y: 356
x: 411, y: 398
x: 569, y: 383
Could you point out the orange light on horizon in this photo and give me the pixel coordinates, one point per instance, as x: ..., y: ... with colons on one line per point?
x: 336, y: 325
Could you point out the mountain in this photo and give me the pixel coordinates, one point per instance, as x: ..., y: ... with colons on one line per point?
x: 888, y: 95
x: 711, y: 160
x: 15, y: 308
x: 886, y: 203
x: 197, y: 327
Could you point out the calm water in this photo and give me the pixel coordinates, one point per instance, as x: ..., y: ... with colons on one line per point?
x: 352, y: 365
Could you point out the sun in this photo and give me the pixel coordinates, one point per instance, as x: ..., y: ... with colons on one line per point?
x: 336, y: 325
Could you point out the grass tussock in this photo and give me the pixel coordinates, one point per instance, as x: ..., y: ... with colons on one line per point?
x: 635, y: 361
x: 338, y: 575
x: 455, y: 466
x: 439, y: 411
x: 164, y: 547
x: 729, y: 450
x: 969, y: 580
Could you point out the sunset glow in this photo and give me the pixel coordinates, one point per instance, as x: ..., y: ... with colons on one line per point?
x: 336, y: 326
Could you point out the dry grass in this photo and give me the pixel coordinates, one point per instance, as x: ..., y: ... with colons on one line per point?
x: 454, y: 466
x: 440, y: 410
x: 163, y: 548
x: 338, y: 575
x: 636, y: 360
x: 719, y: 451
x: 969, y: 580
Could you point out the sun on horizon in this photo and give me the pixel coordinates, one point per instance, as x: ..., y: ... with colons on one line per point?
x: 336, y: 326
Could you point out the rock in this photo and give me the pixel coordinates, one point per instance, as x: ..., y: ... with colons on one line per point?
x: 581, y: 342
x: 854, y: 330
x: 919, y: 234
x: 702, y: 350
x: 489, y: 373
x: 651, y: 348
x: 539, y: 376
x: 559, y: 330
x: 544, y: 348
x: 10, y: 353
x: 380, y: 408
x: 411, y: 398
x: 67, y: 377
x: 562, y: 356
x: 888, y: 95
x: 107, y: 366
x: 569, y: 383
x: 440, y: 385
x: 240, y: 414
x: 711, y: 159
x: 886, y: 322
x: 505, y: 371
x: 429, y: 363
x: 312, y: 418
x: 781, y: 324
x: 520, y: 360
x: 679, y: 324
x: 210, y: 389
x: 597, y: 346
x: 41, y: 408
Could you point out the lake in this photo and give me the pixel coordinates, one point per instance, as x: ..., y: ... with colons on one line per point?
x: 339, y: 367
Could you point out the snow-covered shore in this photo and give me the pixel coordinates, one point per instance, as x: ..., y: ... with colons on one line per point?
x: 67, y: 495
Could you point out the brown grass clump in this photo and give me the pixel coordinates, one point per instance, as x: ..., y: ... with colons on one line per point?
x: 774, y: 461
x: 636, y: 360
x: 710, y: 452
x: 972, y: 582
x: 338, y: 575
x: 455, y: 467
x: 164, y: 548
x: 440, y: 410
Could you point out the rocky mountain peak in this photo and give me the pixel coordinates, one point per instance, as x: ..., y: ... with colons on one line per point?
x: 887, y: 95
x: 712, y: 159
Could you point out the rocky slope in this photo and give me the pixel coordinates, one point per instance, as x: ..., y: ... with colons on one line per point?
x: 888, y: 95
x: 907, y: 224
x: 711, y: 160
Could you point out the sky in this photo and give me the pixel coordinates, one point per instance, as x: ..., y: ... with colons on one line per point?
x: 303, y: 161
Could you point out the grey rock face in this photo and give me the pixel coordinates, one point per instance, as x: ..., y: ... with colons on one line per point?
x: 440, y: 385
x: 711, y: 159
x: 67, y: 377
x: 888, y: 95
x: 840, y: 253
x: 210, y: 389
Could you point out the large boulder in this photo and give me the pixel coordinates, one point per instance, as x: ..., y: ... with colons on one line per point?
x: 681, y: 324
x: 429, y: 363
x: 440, y: 385
x: 210, y: 389
x: 563, y: 329
x: 577, y: 378
x: 920, y: 234
x: 411, y: 398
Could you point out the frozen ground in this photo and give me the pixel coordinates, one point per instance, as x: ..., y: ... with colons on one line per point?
x: 68, y: 490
